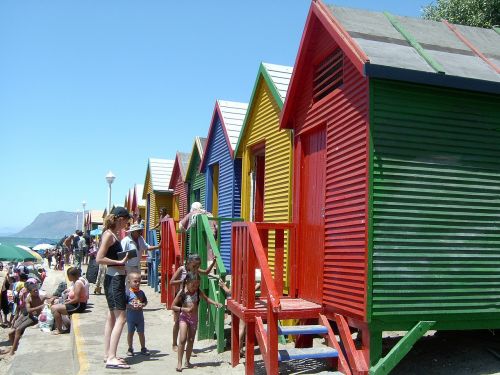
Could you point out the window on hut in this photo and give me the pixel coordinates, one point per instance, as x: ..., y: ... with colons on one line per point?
x: 328, y: 75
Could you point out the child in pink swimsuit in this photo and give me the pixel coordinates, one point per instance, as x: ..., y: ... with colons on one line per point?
x: 186, y: 302
x: 193, y: 263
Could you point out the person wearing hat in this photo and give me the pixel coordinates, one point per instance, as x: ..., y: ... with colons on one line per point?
x: 135, y: 241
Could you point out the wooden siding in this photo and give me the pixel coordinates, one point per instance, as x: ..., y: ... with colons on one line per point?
x: 162, y: 200
x: 436, y: 204
x: 152, y: 212
x: 263, y: 126
x: 196, y: 181
x: 180, y: 191
x: 217, y: 152
x: 345, y: 114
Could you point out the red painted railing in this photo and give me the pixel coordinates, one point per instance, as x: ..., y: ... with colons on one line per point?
x: 250, y: 252
x: 171, y: 259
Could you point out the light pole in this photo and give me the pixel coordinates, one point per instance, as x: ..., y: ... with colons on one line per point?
x: 110, y: 177
x: 83, y: 216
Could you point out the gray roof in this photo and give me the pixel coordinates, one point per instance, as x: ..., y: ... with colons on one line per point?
x: 385, y: 46
x: 280, y: 76
x: 233, y: 114
x: 139, y: 191
x: 183, y: 163
x: 160, y: 171
x: 201, y: 143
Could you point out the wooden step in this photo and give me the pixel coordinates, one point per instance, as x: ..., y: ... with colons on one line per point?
x: 305, y: 353
x: 291, y: 308
x: 303, y: 330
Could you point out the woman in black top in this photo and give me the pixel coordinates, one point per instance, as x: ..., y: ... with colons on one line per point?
x: 114, y: 284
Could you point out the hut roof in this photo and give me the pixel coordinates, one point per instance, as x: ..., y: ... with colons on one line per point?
x: 231, y: 115
x: 381, y: 37
x: 277, y: 78
x: 160, y: 171
x: 181, y: 162
x: 139, y: 190
x: 199, y: 145
x: 382, y: 45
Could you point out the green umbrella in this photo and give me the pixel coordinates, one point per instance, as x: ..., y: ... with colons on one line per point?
x: 15, y: 254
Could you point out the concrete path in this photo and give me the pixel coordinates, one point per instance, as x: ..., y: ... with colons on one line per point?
x: 43, y: 353
x: 89, y: 331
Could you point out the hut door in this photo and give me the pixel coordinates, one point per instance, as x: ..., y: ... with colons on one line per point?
x: 176, y: 210
x: 258, y: 175
x: 214, y: 170
x: 311, y: 215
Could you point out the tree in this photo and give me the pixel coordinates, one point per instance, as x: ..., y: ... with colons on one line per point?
x: 479, y: 13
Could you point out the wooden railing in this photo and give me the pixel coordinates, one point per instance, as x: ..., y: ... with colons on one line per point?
x: 201, y: 238
x: 171, y: 259
x: 250, y: 252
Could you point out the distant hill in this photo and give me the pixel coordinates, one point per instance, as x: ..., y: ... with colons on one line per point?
x: 51, y: 225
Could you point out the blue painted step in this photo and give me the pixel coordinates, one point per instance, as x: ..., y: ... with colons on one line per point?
x: 303, y: 330
x: 305, y: 353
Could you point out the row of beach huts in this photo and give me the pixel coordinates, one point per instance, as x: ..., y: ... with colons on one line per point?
x: 367, y: 180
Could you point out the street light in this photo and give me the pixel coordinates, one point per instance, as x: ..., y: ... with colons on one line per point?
x: 83, y: 216
x: 110, y: 177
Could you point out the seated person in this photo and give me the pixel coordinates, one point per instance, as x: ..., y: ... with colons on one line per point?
x: 76, y: 301
x: 34, y: 304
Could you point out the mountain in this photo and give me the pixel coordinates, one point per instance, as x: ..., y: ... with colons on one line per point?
x: 52, y: 225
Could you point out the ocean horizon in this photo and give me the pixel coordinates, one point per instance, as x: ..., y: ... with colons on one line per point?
x: 26, y: 241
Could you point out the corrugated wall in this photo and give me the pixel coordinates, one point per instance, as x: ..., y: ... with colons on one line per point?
x: 197, y: 181
x: 218, y: 153
x: 181, y: 190
x: 263, y: 126
x: 345, y: 112
x: 161, y: 200
x: 152, y: 211
x: 436, y: 203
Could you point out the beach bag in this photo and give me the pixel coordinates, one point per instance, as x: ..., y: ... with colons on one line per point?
x: 46, y: 319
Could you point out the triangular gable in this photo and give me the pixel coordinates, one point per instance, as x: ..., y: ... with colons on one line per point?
x: 133, y: 202
x: 158, y: 174
x: 139, y: 191
x: 277, y: 78
x: 196, y: 152
x: 382, y: 45
x: 318, y: 12
x: 179, y: 169
x: 231, y: 116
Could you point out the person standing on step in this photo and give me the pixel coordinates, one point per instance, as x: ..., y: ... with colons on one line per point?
x: 114, y: 285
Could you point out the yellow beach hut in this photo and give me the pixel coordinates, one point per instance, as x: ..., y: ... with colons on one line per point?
x: 266, y: 152
x: 156, y: 192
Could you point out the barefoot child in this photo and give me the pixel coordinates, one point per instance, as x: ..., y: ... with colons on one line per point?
x: 136, y: 300
x: 34, y: 304
x: 193, y: 263
x: 186, y: 303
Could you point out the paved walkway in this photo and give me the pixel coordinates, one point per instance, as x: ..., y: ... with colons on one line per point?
x: 89, y: 330
x: 43, y: 353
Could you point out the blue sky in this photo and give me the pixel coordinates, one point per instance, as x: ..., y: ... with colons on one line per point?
x: 92, y: 86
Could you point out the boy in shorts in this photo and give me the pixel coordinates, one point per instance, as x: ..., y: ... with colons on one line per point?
x: 136, y: 300
x: 28, y: 317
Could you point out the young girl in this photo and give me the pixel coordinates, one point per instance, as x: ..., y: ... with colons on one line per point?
x: 186, y: 304
x: 193, y: 263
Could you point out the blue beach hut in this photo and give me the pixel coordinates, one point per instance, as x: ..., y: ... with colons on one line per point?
x: 222, y: 171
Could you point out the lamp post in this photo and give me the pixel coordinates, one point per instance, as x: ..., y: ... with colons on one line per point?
x: 83, y: 216
x: 110, y: 177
